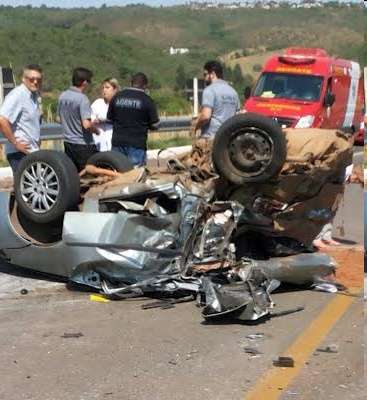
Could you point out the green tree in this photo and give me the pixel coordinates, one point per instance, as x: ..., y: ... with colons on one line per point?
x: 180, y: 77
x: 228, y: 73
x: 124, y: 72
x: 237, y: 75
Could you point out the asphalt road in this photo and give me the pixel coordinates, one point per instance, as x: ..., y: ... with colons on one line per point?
x: 119, y: 351
x: 122, y: 352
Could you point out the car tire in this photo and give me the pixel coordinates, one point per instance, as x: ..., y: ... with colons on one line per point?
x: 249, y: 148
x: 46, y: 185
x: 112, y: 160
x: 46, y: 233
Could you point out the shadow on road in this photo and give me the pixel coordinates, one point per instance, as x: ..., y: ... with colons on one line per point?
x: 16, y: 270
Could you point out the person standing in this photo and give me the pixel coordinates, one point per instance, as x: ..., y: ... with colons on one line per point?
x: 133, y: 113
x: 220, y: 101
x: 20, y: 116
x: 103, y: 141
x: 75, y: 113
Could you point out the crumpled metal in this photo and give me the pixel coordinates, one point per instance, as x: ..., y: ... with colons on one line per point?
x: 300, y: 269
x: 245, y: 300
x: 214, y: 242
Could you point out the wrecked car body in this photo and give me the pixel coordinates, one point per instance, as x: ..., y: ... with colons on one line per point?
x: 188, y: 228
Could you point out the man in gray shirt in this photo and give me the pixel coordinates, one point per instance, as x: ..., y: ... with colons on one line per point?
x: 220, y: 101
x: 20, y: 116
x: 74, y: 111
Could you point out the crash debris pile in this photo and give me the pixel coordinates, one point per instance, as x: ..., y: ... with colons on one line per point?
x: 186, y: 243
x: 190, y: 254
x: 226, y: 224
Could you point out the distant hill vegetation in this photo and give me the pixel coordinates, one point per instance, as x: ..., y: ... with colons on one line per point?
x: 117, y: 41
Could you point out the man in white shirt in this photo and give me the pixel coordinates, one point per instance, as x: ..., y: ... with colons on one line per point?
x: 20, y: 116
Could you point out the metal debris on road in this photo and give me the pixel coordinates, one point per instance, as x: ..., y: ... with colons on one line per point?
x: 75, y: 335
x: 255, y: 336
x: 253, y: 351
x: 287, y: 312
x: 331, y: 348
x: 283, y: 361
x: 325, y: 287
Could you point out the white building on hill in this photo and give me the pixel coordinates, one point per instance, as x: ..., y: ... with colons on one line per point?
x: 178, y: 50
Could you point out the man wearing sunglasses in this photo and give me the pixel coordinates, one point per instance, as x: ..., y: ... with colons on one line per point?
x: 20, y: 116
x: 74, y: 111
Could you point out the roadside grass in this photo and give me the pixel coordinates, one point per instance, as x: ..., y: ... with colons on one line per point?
x: 171, y: 142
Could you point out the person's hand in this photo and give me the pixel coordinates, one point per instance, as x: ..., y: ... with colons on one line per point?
x: 99, y: 121
x: 22, y: 147
x: 193, y: 127
x: 94, y: 127
x: 95, y: 122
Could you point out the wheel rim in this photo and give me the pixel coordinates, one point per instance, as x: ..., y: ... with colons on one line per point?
x: 250, y: 150
x: 39, y: 187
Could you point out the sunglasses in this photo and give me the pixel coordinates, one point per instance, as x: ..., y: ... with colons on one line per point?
x: 33, y: 79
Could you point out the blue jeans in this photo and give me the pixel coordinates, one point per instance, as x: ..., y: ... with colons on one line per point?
x: 136, y: 156
x: 14, y: 160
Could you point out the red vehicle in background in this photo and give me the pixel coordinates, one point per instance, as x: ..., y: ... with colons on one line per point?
x: 307, y: 88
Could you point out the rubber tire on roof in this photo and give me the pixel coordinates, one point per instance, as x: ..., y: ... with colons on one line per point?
x: 112, y: 160
x: 56, y: 173
x: 235, y: 141
x: 43, y: 233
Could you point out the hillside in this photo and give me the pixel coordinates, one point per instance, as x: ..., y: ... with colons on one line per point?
x: 120, y: 40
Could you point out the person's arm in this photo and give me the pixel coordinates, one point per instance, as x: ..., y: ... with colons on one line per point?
x: 85, y: 115
x: 6, y: 129
x: 153, y: 116
x: 203, y: 117
x: 205, y: 111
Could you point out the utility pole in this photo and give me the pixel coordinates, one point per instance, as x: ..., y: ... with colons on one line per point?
x: 196, y: 96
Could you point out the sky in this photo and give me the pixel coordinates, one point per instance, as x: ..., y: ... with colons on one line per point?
x: 98, y: 3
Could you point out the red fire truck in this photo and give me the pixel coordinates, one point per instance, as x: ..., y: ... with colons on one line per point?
x: 305, y: 87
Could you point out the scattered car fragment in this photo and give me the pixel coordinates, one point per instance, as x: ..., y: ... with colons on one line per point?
x: 284, y: 362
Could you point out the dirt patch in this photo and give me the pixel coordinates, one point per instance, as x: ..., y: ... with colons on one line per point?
x: 351, y: 263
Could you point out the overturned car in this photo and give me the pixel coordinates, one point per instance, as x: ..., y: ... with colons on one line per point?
x: 225, y: 223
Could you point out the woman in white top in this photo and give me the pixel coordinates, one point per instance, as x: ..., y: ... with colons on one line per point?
x: 110, y: 87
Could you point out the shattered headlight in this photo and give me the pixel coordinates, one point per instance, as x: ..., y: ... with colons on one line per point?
x: 305, y: 122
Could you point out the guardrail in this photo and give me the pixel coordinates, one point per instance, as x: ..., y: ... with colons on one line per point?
x: 168, y: 124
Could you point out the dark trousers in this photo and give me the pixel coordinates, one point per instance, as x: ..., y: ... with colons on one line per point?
x: 136, y: 156
x: 14, y: 160
x: 79, y: 153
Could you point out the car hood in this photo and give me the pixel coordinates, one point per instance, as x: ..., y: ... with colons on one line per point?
x: 281, y: 107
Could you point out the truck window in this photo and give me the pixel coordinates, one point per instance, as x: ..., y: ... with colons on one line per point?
x: 289, y: 86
